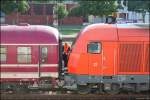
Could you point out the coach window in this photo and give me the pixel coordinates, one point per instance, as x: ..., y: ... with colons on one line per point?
x: 24, y: 54
x: 3, y: 54
x: 94, y: 47
x: 44, y: 54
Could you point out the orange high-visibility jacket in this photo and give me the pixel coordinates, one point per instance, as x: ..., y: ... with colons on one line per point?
x: 66, y: 47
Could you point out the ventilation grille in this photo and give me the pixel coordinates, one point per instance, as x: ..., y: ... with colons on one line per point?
x: 130, y: 57
x: 147, y: 69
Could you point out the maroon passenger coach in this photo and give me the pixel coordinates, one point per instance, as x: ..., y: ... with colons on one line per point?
x: 29, y: 53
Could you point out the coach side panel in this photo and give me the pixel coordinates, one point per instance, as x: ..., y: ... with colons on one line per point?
x: 24, y: 62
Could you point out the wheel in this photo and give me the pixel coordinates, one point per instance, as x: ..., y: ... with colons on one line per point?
x: 114, y: 89
x: 83, y: 89
x: 101, y: 88
x: 20, y: 89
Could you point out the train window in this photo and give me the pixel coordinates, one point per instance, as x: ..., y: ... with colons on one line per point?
x: 94, y: 47
x: 3, y: 54
x: 24, y: 54
x: 44, y: 54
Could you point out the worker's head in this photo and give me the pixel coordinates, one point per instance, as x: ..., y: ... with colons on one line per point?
x: 66, y: 44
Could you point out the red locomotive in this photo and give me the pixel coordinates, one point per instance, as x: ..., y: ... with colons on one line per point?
x: 105, y: 57
x: 111, y: 57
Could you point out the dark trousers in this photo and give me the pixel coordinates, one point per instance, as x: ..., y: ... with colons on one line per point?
x: 65, y: 59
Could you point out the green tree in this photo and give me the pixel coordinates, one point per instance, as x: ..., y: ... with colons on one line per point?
x: 141, y: 6
x: 97, y: 8
x: 60, y: 11
x: 9, y: 6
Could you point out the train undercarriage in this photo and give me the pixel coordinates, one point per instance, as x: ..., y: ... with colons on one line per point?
x: 66, y: 83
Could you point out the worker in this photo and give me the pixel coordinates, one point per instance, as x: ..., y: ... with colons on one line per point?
x: 66, y: 50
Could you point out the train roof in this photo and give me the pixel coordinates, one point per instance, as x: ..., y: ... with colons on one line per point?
x: 29, y: 34
x: 134, y: 25
x: 117, y: 31
x: 133, y: 32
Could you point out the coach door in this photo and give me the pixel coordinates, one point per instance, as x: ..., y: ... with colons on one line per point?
x: 94, y: 52
x: 43, y: 60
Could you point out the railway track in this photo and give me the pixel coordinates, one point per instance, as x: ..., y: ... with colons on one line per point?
x: 74, y: 97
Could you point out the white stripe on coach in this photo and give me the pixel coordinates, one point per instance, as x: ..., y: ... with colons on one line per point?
x: 30, y: 65
x: 27, y: 44
x: 28, y: 74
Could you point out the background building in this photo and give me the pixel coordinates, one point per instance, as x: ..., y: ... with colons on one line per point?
x: 131, y: 16
x: 42, y: 13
